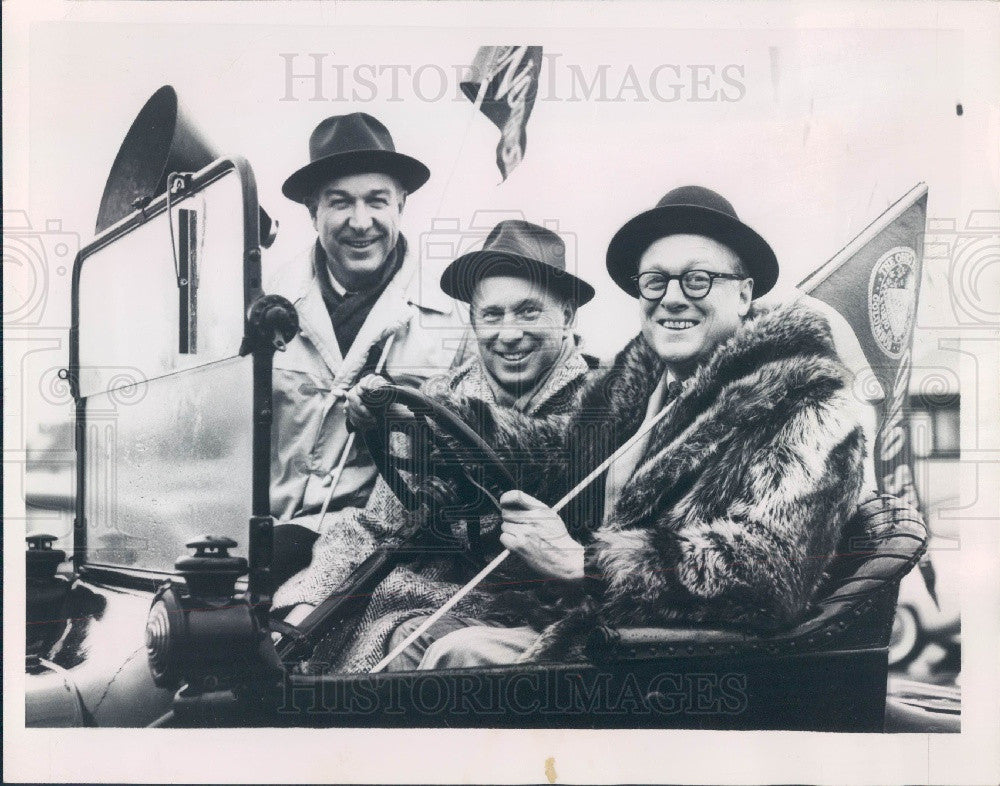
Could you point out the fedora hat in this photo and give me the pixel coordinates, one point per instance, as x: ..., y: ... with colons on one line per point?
x: 350, y: 145
x: 517, y: 248
x: 691, y: 210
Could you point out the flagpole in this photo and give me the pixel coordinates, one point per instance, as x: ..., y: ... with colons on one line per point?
x: 342, y: 462
x: 496, y: 562
x: 476, y: 105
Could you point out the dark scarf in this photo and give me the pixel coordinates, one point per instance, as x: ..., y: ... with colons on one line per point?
x: 349, y: 311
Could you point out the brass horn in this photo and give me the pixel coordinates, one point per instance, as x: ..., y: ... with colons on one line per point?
x: 162, y: 139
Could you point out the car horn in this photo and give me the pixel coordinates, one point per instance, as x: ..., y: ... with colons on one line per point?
x: 162, y: 140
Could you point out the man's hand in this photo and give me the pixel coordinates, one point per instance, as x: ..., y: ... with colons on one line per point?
x: 357, y: 413
x: 536, y: 533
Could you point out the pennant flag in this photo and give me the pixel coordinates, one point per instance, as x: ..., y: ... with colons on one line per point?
x: 874, y: 283
x: 504, y: 84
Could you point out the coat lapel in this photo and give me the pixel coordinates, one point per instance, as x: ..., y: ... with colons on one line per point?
x: 386, y: 316
x: 403, y: 294
x: 624, y: 394
x: 314, y: 320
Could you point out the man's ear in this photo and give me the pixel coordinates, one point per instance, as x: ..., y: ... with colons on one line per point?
x: 746, y: 296
x: 569, y: 314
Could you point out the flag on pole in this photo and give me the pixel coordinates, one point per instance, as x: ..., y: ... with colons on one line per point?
x: 874, y: 283
x: 504, y: 82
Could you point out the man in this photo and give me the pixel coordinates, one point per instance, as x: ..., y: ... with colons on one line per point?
x: 728, y: 509
x: 522, y: 308
x: 354, y: 289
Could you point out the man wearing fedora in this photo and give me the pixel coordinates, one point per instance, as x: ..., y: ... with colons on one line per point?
x: 522, y: 307
x: 727, y: 511
x: 355, y: 289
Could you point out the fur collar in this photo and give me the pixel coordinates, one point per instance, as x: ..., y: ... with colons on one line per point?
x: 738, y: 500
x: 618, y: 399
x: 767, y: 336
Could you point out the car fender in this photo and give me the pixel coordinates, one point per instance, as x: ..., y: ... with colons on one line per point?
x: 100, y: 663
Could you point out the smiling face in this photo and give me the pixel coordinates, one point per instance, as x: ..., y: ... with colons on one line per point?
x: 520, y: 327
x: 681, y: 330
x: 357, y: 218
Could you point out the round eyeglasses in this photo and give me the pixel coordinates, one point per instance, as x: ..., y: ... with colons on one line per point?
x: 695, y: 284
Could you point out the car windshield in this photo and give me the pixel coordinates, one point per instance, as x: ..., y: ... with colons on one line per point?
x: 167, y: 457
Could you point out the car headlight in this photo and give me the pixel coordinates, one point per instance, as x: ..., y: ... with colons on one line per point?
x: 159, y: 638
x: 201, y: 632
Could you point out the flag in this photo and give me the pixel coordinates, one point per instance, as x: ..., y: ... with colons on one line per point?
x: 504, y: 84
x: 874, y: 283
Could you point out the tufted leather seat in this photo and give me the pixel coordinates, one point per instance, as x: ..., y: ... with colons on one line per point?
x: 853, y: 609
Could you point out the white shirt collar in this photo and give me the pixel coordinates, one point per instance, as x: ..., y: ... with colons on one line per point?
x: 659, y: 393
x: 339, y: 288
x: 624, y: 467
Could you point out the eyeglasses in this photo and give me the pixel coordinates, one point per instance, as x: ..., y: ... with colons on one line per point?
x: 695, y: 284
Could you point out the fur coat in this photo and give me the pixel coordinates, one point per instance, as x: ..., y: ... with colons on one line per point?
x: 734, y: 508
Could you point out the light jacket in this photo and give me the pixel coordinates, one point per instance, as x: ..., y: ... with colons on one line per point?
x: 309, y: 425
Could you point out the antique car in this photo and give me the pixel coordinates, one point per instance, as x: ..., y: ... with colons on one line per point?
x: 171, y: 348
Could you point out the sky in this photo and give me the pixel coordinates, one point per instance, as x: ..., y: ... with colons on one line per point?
x: 811, y: 134
x: 810, y: 129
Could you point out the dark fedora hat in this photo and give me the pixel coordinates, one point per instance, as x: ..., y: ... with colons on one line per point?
x: 350, y: 145
x: 517, y: 248
x: 691, y: 210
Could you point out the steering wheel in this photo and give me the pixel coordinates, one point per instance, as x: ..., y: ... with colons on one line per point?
x: 454, y: 461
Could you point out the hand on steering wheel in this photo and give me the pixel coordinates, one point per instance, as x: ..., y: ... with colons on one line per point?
x: 358, y: 413
x: 457, y: 456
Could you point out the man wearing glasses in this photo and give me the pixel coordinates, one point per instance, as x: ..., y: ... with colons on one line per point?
x: 727, y: 511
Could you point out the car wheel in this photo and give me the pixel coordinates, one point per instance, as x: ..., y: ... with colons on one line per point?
x: 904, y: 643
